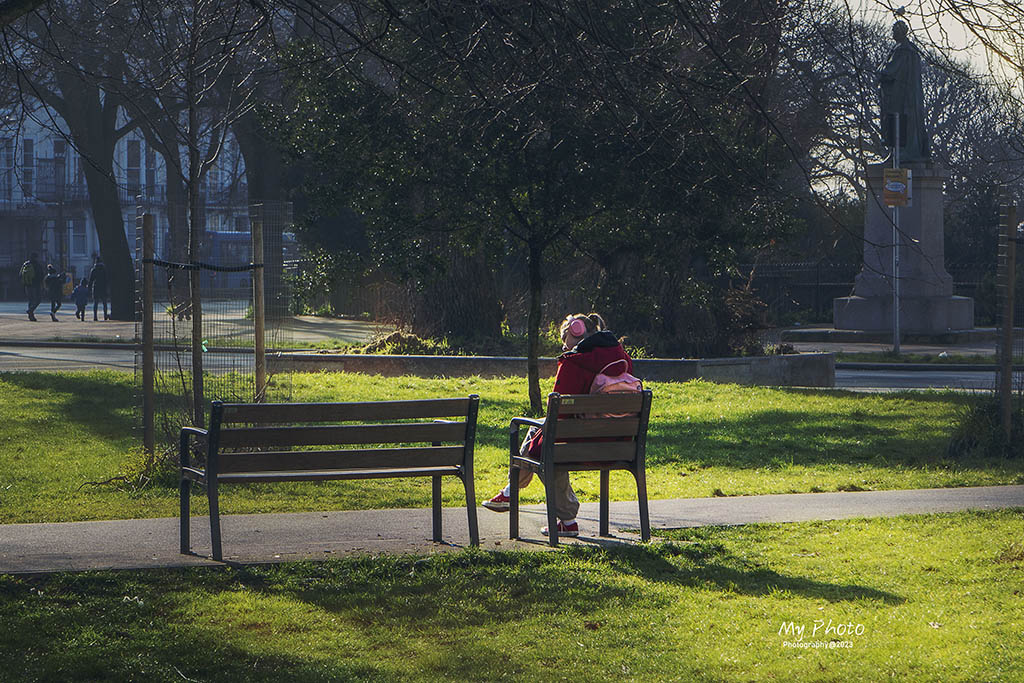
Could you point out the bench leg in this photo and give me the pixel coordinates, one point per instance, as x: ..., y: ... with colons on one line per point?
x: 513, y: 502
x: 437, y: 508
x: 184, y: 500
x: 211, y: 494
x: 641, y: 495
x: 549, y: 503
x: 474, y: 529
x: 603, y: 505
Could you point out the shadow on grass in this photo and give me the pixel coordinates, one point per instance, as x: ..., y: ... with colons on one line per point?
x: 889, y: 434
x: 495, y: 587
x: 108, y: 623
x: 108, y: 404
x: 708, y: 564
x: 887, y: 431
x: 100, y: 402
x: 101, y: 626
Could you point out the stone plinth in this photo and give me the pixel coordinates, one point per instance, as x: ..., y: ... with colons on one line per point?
x: 927, y: 304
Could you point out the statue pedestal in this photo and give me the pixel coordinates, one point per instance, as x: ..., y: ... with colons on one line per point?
x: 927, y: 304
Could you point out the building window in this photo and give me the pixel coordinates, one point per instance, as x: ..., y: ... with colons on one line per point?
x: 134, y: 167
x: 59, y: 167
x: 28, y: 167
x: 79, y: 172
x: 6, y: 169
x: 150, y: 171
x: 79, y: 241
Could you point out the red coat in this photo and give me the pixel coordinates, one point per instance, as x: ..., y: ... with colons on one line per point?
x: 578, y: 367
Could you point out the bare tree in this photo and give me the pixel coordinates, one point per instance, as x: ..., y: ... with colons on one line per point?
x: 190, y: 77
x: 12, y: 10
x: 67, y: 57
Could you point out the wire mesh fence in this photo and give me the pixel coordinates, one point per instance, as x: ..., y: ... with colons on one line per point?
x: 802, y: 292
x: 1009, y: 277
x: 223, y: 269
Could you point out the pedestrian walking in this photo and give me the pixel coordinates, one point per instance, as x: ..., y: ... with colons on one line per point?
x: 98, y: 285
x: 54, y: 282
x: 80, y: 295
x: 32, y: 279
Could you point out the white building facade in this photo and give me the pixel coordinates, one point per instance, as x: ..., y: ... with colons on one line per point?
x: 45, y: 207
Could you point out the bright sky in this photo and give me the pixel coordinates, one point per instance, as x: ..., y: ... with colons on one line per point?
x: 929, y: 24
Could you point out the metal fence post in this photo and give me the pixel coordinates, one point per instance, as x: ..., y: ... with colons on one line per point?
x: 258, y: 306
x: 1008, y: 261
x: 148, y: 360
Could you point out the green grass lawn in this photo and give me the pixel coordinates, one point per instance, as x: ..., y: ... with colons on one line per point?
x: 922, y: 598
x: 63, y: 431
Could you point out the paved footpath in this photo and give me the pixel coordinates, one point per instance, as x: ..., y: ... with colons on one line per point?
x: 153, y: 543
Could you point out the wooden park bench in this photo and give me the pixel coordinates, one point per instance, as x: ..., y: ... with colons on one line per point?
x: 587, y: 440
x: 269, y: 442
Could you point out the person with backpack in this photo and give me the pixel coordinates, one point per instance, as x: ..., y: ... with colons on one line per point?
x: 593, y: 360
x: 98, y: 285
x: 31, y: 274
x: 54, y: 289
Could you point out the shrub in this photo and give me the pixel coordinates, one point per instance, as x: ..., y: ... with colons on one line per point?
x: 978, y: 430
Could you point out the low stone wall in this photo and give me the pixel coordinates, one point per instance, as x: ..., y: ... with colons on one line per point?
x: 795, y: 370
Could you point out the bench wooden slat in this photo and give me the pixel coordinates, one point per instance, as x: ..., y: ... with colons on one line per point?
x: 597, y: 428
x: 376, y: 458
x: 263, y: 413
x: 601, y: 403
x: 310, y: 442
x: 594, y: 451
x: 249, y: 437
x: 598, y: 465
x: 330, y: 475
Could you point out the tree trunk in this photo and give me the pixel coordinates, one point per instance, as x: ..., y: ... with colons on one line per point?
x: 91, y: 123
x: 106, y: 212
x: 178, y: 282
x: 535, y: 265
x: 195, y: 276
x: 264, y: 174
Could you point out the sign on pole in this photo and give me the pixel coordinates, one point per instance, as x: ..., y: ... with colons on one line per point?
x: 896, y: 187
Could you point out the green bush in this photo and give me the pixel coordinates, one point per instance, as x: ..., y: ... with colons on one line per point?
x: 978, y: 430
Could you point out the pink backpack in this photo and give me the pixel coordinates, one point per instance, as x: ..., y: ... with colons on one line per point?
x: 619, y: 384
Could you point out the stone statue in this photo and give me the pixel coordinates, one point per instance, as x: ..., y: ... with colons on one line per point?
x: 902, y: 94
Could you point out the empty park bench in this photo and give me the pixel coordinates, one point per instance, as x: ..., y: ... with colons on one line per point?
x: 603, y: 432
x: 274, y: 442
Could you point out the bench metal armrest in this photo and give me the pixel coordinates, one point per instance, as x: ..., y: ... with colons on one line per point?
x: 519, y: 421
x: 187, y: 432
x: 513, y: 433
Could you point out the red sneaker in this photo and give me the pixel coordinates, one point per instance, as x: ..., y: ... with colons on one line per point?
x: 572, y: 529
x: 500, y: 503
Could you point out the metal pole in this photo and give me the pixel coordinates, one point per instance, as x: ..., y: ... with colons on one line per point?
x: 1009, y: 284
x: 896, y: 244
x: 148, y: 360
x: 258, y: 313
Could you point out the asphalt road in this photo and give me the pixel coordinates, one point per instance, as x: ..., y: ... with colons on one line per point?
x: 34, y: 358
x: 973, y: 380
x: 146, y: 543
x: 39, y: 358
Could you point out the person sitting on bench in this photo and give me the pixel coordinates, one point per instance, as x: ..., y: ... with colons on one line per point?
x: 589, y: 349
